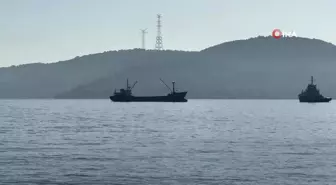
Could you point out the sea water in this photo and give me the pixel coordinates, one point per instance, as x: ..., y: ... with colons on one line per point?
x: 200, y: 142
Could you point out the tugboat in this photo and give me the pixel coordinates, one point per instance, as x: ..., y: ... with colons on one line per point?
x: 312, y: 95
x: 125, y: 95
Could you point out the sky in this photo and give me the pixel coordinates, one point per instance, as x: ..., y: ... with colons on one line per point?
x: 49, y: 31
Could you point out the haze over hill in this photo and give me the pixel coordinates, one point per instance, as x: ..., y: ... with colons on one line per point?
x: 261, y: 67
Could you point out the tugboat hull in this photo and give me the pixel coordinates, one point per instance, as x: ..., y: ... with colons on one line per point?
x: 306, y: 100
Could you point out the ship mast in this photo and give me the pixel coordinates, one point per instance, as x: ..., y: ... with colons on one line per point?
x: 173, y: 87
x: 166, y: 85
x: 134, y: 84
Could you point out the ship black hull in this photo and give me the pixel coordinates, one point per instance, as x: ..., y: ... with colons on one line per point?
x: 323, y: 100
x: 178, y: 97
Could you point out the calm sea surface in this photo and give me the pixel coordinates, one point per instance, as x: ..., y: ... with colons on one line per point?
x: 200, y: 142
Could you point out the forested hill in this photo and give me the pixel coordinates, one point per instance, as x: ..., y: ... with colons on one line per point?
x: 261, y: 67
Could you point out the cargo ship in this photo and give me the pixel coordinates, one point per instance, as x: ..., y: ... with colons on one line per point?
x: 125, y: 95
x: 312, y: 95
